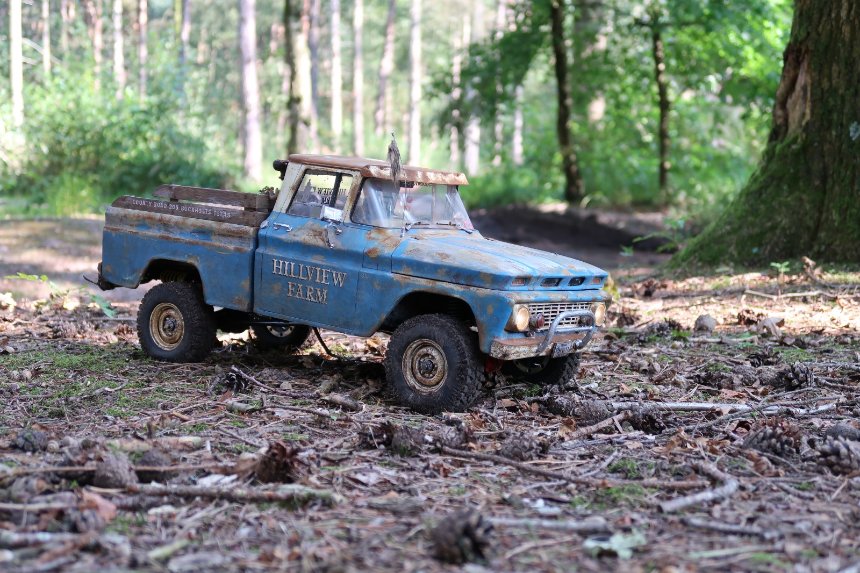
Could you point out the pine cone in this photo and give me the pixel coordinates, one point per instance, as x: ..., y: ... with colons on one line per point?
x: 280, y: 464
x: 841, y: 456
x: 31, y: 440
x: 765, y: 357
x: 520, y: 447
x: 462, y: 537
x: 155, y: 458
x: 453, y: 436
x: 63, y: 330
x: 662, y: 329
x: 590, y: 412
x: 798, y: 375
x: 775, y: 436
x: 372, y: 436
x: 843, y: 431
x: 407, y: 441
x: 648, y: 420
x: 561, y: 406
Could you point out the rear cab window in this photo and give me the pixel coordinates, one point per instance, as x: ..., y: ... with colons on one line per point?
x: 320, y: 189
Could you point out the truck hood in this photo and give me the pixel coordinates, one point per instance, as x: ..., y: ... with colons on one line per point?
x: 477, y: 261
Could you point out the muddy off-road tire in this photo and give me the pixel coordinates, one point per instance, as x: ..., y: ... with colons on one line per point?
x: 433, y: 364
x: 287, y: 337
x: 544, y: 370
x: 175, y: 324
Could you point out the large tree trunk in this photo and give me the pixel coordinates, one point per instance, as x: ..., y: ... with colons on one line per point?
x: 253, y: 157
x: 663, y: 105
x: 16, y: 58
x: 498, y: 126
x: 142, y: 51
x: 303, y: 133
x: 65, y: 19
x: 574, y: 188
x: 118, y: 55
x: 472, y: 144
x: 336, y: 76
x: 288, y: 78
x: 46, y: 38
x: 803, y: 199
x: 358, y: 78
x: 386, y: 66
x: 461, y: 37
x: 414, y: 156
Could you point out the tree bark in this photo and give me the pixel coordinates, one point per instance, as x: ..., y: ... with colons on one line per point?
x: 459, y: 40
x: 498, y: 126
x: 305, y: 134
x: 65, y: 19
x: 142, y: 51
x: 46, y: 38
x: 16, y: 59
x: 803, y: 199
x: 574, y: 188
x: 386, y: 66
x: 253, y: 156
x: 414, y: 156
x: 336, y: 76
x: 472, y: 143
x: 664, y: 107
x: 358, y: 78
x: 289, y: 78
x: 517, y: 155
x: 118, y: 55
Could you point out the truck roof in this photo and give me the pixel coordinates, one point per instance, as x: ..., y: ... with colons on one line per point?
x: 378, y: 168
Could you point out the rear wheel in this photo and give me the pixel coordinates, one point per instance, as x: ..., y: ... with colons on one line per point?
x: 544, y: 370
x: 175, y: 324
x: 286, y: 336
x: 433, y: 365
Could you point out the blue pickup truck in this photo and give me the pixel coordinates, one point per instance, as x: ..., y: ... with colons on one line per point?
x: 345, y: 246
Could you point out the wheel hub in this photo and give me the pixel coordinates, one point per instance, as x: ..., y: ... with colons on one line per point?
x: 166, y: 325
x: 424, y: 365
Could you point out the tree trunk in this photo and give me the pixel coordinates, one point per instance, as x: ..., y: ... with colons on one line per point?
x: 498, y: 126
x: 288, y: 78
x: 303, y: 135
x: 65, y: 19
x: 336, y: 76
x: 314, y: 47
x: 118, y: 55
x: 358, y: 78
x: 574, y: 188
x: 46, y: 38
x: 95, y: 13
x: 142, y: 52
x: 472, y: 144
x: 664, y: 105
x: 517, y: 140
x: 16, y: 68
x: 414, y: 156
x: 253, y: 149
x: 386, y: 66
x: 803, y: 199
x: 458, y: 42
x: 184, y: 42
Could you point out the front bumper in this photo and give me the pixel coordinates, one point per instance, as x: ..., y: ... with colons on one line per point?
x: 553, y: 343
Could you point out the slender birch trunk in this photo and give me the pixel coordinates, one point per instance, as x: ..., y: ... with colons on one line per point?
x: 16, y: 61
x: 459, y: 39
x: 46, y: 38
x: 386, y: 66
x: 142, y: 51
x: 472, y: 153
x: 517, y: 140
x: 314, y: 47
x: 358, y: 78
x: 118, y: 48
x: 415, y: 83
x: 336, y: 76
x: 253, y: 156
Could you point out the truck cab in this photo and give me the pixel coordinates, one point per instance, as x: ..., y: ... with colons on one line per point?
x: 346, y: 245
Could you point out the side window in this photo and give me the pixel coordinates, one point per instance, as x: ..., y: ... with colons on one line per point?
x: 320, y: 189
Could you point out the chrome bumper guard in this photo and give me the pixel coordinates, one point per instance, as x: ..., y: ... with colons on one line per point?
x: 554, y: 343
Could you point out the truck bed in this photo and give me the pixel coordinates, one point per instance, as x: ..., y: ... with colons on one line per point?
x: 212, y: 230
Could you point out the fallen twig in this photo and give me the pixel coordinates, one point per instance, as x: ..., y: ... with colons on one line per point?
x: 729, y: 487
x: 723, y: 407
x: 292, y: 493
x: 589, y: 525
x: 592, y: 482
x: 730, y: 528
x: 218, y: 468
x: 601, y: 425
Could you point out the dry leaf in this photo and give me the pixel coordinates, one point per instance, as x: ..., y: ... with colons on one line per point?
x: 104, y: 508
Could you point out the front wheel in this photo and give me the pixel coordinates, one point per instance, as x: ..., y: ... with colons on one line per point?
x: 544, y: 370
x: 288, y: 336
x: 433, y: 365
x: 175, y: 324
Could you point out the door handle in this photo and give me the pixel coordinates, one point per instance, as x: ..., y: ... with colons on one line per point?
x: 331, y: 229
x: 277, y: 226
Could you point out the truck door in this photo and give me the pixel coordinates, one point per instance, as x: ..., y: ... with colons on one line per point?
x: 308, y: 260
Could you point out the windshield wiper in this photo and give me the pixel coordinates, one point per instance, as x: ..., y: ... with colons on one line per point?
x: 408, y: 226
x: 453, y: 224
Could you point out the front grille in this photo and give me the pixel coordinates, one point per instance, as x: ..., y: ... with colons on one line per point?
x: 551, y: 310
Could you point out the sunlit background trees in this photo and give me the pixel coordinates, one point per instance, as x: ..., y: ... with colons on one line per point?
x: 619, y: 103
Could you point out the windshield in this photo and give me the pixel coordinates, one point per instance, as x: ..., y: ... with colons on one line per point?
x: 380, y: 205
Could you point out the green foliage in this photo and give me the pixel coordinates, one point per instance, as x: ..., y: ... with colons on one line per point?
x: 84, y: 149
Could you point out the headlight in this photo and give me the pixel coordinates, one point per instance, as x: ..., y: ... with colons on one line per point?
x: 599, y: 310
x: 519, y: 320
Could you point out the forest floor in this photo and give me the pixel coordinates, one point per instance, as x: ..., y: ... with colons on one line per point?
x: 733, y: 447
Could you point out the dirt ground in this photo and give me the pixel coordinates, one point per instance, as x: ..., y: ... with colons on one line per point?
x: 733, y: 446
